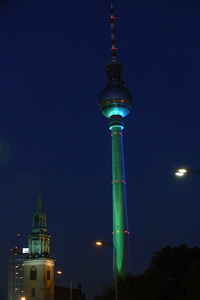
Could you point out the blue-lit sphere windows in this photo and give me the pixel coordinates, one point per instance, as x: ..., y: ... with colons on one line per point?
x: 115, y: 100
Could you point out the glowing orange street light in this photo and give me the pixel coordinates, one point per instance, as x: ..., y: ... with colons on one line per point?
x: 99, y: 243
x: 70, y: 282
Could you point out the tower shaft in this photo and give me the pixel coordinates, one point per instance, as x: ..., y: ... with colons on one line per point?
x: 115, y: 103
x: 120, y: 217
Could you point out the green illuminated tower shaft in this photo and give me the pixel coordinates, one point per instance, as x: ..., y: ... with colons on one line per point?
x: 115, y: 103
x: 120, y: 218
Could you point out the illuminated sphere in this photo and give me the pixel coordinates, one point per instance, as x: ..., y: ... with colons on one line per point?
x: 115, y: 100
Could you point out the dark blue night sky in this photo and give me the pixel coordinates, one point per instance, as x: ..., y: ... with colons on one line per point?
x: 54, y: 138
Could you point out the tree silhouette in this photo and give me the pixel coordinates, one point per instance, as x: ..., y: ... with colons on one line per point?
x: 173, y: 274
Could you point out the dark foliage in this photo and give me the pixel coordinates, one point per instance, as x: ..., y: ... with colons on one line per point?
x: 173, y: 274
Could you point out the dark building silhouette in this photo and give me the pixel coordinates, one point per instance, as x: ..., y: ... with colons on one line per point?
x: 15, y: 273
x: 64, y: 293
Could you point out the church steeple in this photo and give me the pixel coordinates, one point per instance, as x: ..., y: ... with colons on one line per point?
x: 39, y: 239
x: 39, y: 204
x: 39, y: 218
x: 38, y: 264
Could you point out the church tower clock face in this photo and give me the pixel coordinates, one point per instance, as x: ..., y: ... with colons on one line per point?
x: 36, y: 246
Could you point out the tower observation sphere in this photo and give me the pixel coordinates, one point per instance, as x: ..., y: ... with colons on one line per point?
x: 115, y: 103
x: 115, y: 99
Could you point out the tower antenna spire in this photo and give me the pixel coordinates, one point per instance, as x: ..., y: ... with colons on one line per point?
x: 113, y: 50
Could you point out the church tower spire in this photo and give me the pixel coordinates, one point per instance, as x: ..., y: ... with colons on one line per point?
x: 39, y: 205
x: 39, y: 265
x: 39, y: 218
x: 39, y: 239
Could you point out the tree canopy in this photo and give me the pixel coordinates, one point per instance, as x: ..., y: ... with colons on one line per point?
x: 173, y: 274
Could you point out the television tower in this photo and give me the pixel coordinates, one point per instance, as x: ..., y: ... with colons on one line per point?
x: 115, y: 103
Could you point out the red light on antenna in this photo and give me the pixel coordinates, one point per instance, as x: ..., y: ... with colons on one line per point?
x: 113, y: 48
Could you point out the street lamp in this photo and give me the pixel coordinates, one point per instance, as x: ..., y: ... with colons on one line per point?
x: 70, y: 282
x: 183, y: 171
x: 99, y: 243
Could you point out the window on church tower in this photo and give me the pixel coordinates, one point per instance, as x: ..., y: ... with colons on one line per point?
x: 36, y: 221
x: 48, y: 273
x: 33, y: 273
x: 33, y: 292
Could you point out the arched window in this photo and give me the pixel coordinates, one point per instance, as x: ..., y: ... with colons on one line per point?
x: 36, y: 221
x: 33, y: 273
x: 48, y: 273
